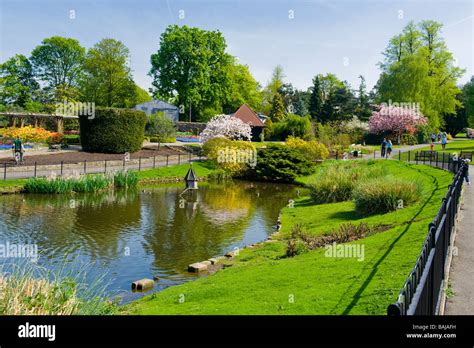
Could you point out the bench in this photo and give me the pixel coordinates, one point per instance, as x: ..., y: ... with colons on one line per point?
x: 425, y: 155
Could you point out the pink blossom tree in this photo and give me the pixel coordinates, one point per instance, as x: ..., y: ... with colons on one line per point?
x: 397, y: 120
x: 226, y: 126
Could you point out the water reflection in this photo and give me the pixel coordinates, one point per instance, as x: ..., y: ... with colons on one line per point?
x: 131, y: 234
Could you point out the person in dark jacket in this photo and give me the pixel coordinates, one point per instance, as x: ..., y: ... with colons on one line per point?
x: 384, y: 147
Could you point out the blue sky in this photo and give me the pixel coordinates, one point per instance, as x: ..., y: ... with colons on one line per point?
x: 345, y: 37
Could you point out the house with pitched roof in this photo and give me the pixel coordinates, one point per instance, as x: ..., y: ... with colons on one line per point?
x: 247, y: 115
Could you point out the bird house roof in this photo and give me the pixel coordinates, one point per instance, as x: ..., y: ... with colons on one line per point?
x: 190, y: 176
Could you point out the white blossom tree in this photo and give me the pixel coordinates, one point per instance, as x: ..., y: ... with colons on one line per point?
x: 226, y: 126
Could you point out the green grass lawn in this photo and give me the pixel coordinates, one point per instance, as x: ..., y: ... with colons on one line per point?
x: 202, y: 169
x: 263, y: 281
x: 11, y: 186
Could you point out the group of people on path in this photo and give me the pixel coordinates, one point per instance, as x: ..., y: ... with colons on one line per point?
x: 442, y: 137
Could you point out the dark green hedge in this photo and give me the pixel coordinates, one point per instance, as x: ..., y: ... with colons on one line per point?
x: 113, y: 130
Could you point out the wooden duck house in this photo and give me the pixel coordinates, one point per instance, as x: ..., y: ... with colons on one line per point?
x: 191, y: 179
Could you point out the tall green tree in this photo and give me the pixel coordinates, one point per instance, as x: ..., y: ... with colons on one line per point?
x: 316, y: 101
x: 418, y: 68
x: 467, y: 98
x: 244, y: 89
x: 272, y: 88
x: 191, y: 64
x: 362, y: 109
x: 300, y: 104
x: 277, y: 113
x: 17, y: 83
x: 58, y: 62
x: 107, y: 79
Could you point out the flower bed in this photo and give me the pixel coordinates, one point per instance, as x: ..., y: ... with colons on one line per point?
x: 189, y: 139
x: 30, y: 134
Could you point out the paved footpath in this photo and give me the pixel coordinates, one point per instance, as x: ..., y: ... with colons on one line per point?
x: 461, y: 276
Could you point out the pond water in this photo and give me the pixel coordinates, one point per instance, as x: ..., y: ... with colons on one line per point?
x: 135, y: 234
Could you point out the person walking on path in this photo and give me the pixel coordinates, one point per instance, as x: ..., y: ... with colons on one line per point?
x: 389, y: 149
x: 433, y: 137
x: 444, y: 140
x: 18, y: 149
x: 466, y: 170
x: 384, y: 147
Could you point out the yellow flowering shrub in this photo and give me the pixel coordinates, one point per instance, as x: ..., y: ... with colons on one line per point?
x: 231, y: 155
x: 313, y: 149
x: 31, y: 134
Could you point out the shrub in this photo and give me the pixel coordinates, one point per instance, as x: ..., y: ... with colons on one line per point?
x: 113, y: 130
x: 160, y: 127
x: 312, y: 150
x: 332, y: 136
x: 375, y: 196
x: 280, y: 163
x: 293, y: 125
x: 55, y: 138
x: 408, y: 139
x: 72, y: 139
x: 336, y: 183
x: 233, y: 156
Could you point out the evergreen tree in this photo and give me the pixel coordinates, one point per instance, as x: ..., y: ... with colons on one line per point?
x: 362, y: 109
x: 277, y: 113
x: 316, y: 99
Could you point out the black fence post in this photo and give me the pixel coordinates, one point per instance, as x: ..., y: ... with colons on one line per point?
x: 62, y: 167
x: 179, y: 158
x: 140, y: 163
x: 399, y: 154
x: 4, y: 171
x: 35, y: 169
x: 154, y: 162
x: 167, y: 159
x: 409, y: 153
x: 105, y: 167
x: 85, y: 166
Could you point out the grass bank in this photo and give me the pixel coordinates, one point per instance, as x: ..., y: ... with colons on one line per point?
x: 172, y: 173
x: 263, y: 280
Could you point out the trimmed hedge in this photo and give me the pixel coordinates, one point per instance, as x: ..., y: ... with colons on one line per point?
x: 113, y: 130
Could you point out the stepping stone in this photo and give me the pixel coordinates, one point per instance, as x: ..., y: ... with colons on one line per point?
x: 143, y: 285
x: 198, y: 267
